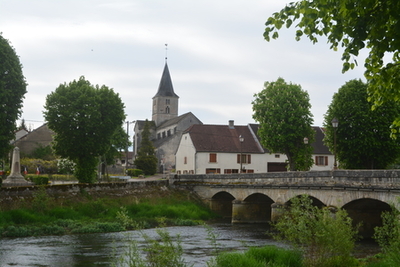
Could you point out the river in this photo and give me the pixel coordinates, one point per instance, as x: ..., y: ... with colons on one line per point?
x: 86, y: 250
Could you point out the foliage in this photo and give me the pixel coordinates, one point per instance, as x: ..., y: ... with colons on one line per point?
x: 134, y: 172
x: 84, y: 118
x: 163, y: 251
x: 42, y: 152
x: 326, y: 238
x: 45, y: 166
x: 271, y: 256
x: 65, y: 166
x: 353, y: 25
x: 38, y: 179
x: 12, y: 91
x: 283, y: 111
x: 388, y: 237
x: 146, y: 160
x: 362, y: 136
x: 120, y: 140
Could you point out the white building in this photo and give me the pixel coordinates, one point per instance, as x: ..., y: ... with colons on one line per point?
x: 228, y: 148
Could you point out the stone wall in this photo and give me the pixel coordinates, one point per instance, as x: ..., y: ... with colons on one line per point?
x: 69, y: 191
x: 387, y: 179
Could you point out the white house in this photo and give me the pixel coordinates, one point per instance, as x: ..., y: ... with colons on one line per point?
x: 226, y: 149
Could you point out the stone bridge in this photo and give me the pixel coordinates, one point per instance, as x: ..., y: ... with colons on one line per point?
x: 261, y: 197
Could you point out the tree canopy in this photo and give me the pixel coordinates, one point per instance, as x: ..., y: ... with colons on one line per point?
x: 146, y: 160
x: 353, y: 25
x: 283, y: 111
x: 85, y: 119
x: 362, y: 136
x: 12, y: 91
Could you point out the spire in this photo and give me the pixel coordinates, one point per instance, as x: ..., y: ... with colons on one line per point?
x: 165, y: 88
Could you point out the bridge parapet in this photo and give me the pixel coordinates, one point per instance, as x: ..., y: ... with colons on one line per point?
x: 368, y: 179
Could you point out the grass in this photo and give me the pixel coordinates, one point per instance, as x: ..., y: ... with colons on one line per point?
x: 84, y: 214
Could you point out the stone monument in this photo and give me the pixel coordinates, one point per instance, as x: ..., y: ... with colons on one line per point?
x: 15, y: 177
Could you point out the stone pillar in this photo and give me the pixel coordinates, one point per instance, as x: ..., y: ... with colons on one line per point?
x: 277, y: 210
x: 16, y: 178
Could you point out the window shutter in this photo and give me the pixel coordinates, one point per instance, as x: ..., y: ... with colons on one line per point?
x: 249, y: 159
x: 316, y: 160
x: 238, y: 158
x: 326, y: 160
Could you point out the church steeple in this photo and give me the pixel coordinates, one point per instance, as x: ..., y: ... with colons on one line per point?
x: 165, y: 102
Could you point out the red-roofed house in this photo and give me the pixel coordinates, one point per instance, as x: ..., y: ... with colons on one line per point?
x: 217, y: 149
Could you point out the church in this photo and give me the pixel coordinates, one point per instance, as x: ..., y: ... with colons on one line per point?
x: 167, y: 125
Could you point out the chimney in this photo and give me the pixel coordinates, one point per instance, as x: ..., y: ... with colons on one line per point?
x: 231, y: 124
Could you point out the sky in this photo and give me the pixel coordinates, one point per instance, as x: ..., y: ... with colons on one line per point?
x: 216, y: 54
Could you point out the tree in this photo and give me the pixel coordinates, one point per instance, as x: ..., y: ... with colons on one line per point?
x: 283, y: 111
x: 12, y: 91
x: 146, y: 160
x: 84, y: 118
x: 326, y: 236
x: 353, y: 25
x: 362, y: 136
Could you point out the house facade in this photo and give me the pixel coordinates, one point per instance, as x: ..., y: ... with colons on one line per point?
x: 225, y: 149
x: 40, y: 137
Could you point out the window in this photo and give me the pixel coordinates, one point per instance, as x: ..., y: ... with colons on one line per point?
x: 213, y: 157
x: 167, y: 101
x: 167, y: 110
x: 185, y: 160
x: 277, y: 156
x: 246, y: 158
x: 321, y: 160
x: 169, y: 133
x: 211, y: 170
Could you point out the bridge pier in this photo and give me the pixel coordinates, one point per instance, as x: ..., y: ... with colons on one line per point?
x: 250, y: 212
x: 277, y: 210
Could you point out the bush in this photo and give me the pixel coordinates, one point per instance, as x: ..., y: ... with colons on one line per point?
x: 134, y: 172
x: 38, y: 180
x: 326, y: 238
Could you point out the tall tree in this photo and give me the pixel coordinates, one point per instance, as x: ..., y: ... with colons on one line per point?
x: 353, y: 25
x: 362, y: 136
x: 84, y: 118
x: 12, y: 91
x: 283, y: 111
x: 146, y: 160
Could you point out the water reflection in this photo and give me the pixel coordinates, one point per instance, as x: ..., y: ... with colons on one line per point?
x: 87, y: 250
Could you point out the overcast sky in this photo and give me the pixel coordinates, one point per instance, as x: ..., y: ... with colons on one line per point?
x: 217, y: 56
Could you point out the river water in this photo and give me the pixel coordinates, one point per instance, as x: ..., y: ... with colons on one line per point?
x: 87, y: 250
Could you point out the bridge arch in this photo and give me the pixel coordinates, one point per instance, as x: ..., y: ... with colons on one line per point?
x: 255, y: 208
x: 221, y: 203
x: 315, y: 201
x: 367, y: 213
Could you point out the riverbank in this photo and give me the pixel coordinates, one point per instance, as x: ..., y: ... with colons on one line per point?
x: 45, y: 214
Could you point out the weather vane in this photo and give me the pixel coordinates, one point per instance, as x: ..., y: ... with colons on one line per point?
x: 166, y: 52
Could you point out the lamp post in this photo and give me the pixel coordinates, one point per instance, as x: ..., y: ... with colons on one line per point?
x: 335, y: 124
x: 241, y: 140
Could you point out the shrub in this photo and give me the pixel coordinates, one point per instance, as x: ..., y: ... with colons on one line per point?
x: 326, y: 238
x: 38, y: 179
x: 134, y: 172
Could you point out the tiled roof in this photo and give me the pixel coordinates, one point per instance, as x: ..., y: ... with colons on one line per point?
x: 222, y: 138
x: 318, y: 144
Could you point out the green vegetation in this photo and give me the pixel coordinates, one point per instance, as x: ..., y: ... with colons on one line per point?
x: 373, y: 148
x: 352, y: 25
x: 283, y: 111
x: 270, y: 256
x: 85, y: 119
x: 12, y: 91
x: 146, y: 160
x: 325, y: 237
x: 44, y: 215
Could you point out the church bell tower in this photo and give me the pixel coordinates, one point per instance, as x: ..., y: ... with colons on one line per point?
x: 165, y: 102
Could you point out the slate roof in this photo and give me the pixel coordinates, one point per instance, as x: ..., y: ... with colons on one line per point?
x: 165, y: 88
x: 318, y: 144
x: 175, y: 120
x: 222, y: 138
